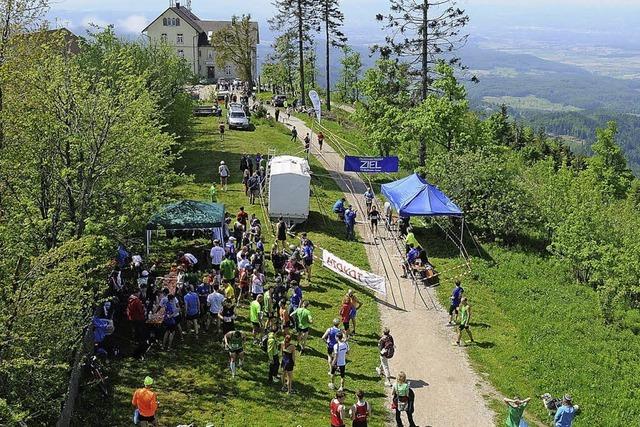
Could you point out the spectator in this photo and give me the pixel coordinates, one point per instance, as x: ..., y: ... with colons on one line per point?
x: 465, y: 318
x: 215, y: 300
x: 350, y: 222
x: 337, y: 409
x: 387, y: 349
x: 273, y: 353
x: 339, y: 360
x: 338, y: 208
x: 455, y: 298
x: 403, y: 400
x: 288, y: 363
x: 360, y: 411
x: 515, y: 410
x: 294, y: 134
x: 136, y: 315
x: 145, y: 401
x: 223, y: 170
x: 566, y: 413
x: 192, y: 307
x: 281, y: 233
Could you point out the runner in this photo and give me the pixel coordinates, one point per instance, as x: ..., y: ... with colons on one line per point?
x: 515, y: 410
x: 339, y: 361
x: 368, y: 199
x: 330, y: 337
x: 228, y: 270
x: 145, y: 401
x: 257, y: 284
x: 355, y: 306
x: 402, y: 400
x: 294, y: 134
x: 465, y: 317
x: 387, y: 349
x: 234, y: 343
x: 273, y: 353
x: 269, y: 309
x: 169, y: 321
x: 228, y: 316
x: 296, y: 297
x: 336, y: 409
x: 215, y: 301
x: 374, y: 215
x: 223, y: 171
x: 277, y: 114
x: 288, y: 363
x: 320, y: 140
x: 307, y: 257
x: 304, y: 321
x: 360, y: 411
x: 221, y: 130
x: 307, y: 143
x: 192, y: 308
x: 255, y: 316
x: 456, y: 295
x: 285, y: 319
x: 229, y: 291
x: 345, y: 313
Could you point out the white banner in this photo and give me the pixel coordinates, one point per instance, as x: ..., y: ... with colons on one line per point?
x: 317, y: 106
x: 348, y: 271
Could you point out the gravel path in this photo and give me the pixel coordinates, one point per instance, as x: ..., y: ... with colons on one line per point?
x: 448, y: 391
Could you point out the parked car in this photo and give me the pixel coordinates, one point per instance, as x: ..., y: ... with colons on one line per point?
x: 278, y: 100
x: 237, y: 117
x: 207, y: 110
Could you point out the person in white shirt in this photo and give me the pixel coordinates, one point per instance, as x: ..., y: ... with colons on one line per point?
x: 257, y: 284
x: 223, y: 171
x: 216, y: 254
x: 214, y: 301
x: 339, y: 362
x: 244, y: 263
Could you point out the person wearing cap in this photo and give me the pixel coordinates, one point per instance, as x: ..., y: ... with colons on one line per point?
x: 350, y: 222
x: 330, y: 337
x: 223, y: 171
x: 230, y: 248
x: 145, y: 401
x: 515, y: 409
x: 566, y: 413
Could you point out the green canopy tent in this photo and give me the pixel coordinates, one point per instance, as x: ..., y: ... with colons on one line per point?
x: 188, y: 215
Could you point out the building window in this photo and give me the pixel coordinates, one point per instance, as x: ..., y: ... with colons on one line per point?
x: 199, y: 53
x: 181, y: 53
x: 163, y: 37
x: 180, y: 39
x: 227, y: 70
x: 164, y: 21
x: 210, y: 54
x: 178, y: 22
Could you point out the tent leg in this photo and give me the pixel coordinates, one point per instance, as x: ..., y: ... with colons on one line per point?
x: 148, y: 241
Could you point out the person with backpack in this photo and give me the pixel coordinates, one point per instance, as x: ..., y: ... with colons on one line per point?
x: 360, y: 411
x: 145, y: 401
x: 402, y: 400
x: 273, y: 353
x: 339, y: 360
x: 387, y: 349
x: 330, y: 337
x: 223, y: 170
x: 337, y: 409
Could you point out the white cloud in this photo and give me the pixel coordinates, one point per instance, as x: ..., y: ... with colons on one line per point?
x: 89, y: 21
x: 132, y: 24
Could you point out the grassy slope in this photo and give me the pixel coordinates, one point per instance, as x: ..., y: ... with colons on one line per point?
x: 193, y: 381
x: 538, y: 332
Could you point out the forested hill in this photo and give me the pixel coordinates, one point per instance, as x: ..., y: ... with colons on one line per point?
x: 564, y: 100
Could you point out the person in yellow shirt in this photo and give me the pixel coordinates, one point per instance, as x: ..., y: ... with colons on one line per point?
x: 146, y: 402
x: 411, y: 239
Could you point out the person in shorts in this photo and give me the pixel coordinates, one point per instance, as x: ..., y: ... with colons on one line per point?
x: 304, y: 321
x: 145, y: 401
x: 215, y: 302
x: 255, y: 315
x: 228, y: 315
x: 339, y: 360
x: 345, y: 313
x: 330, y: 336
x: 374, y: 216
x: 465, y: 318
x: 456, y: 296
x: 192, y: 308
x: 355, y: 306
x: 288, y: 363
x: 307, y: 257
x: 234, y: 343
x: 217, y: 255
x: 360, y: 411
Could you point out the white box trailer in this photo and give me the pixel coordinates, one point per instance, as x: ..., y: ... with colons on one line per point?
x: 289, y: 189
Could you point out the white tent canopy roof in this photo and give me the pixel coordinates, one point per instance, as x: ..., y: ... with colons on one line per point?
x: 289, y: 165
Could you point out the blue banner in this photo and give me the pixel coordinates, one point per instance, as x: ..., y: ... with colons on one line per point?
x: 370, y: 164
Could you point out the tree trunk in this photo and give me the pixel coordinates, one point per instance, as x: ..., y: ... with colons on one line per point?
x: 326, y: 28
x: 301, y: 52
x: 422, y: 149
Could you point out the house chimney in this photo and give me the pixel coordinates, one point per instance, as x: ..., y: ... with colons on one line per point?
x: 178, y: 4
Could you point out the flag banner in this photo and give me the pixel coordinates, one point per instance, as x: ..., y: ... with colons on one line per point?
x: 356, y: 275
x: 371, y: 164
x: 317, y: 106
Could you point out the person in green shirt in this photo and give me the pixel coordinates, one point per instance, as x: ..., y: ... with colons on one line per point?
x: 411, y: 239
x: 273, y: 352
x: 234, y: 343
x: 465, y: 318
x: 268, y: 308
x: 515, y: 409
x: 255, y: 315
x: 212, y: 193
x: 303, y: 315
x: 228, y: 269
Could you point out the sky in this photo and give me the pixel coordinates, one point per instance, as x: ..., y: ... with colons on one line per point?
x: 491, y: 18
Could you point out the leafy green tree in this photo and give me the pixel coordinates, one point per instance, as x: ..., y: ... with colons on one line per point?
x: 351, y: 67
x: 332, y: 19
x: 608, y: 163
x: 281, y: 63
x: 235, y: 44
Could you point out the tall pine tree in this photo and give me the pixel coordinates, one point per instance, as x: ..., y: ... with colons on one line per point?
x: 332, y: 20
x: 299, y: 16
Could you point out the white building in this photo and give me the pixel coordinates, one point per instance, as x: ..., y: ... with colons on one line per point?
x: 190, y: 36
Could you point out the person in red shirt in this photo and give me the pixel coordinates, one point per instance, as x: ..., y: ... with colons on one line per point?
x: 336, y: 408
x: 345, y: 313
x: 242, y: 217
x: 360, y: 411
x: 146, y: 402
x: 136, y: 315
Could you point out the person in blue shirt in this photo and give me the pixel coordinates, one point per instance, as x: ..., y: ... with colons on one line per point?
x: 350, y: 221
x: 412, y: 256
x: 566, y: 413
x: 296, y: 297
x: 192, y: 306
x: 456, y: 296
x: 338, y: 208
x: 307, y: 257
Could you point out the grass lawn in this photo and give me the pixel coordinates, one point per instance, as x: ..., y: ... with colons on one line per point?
x: 193, y: 381
x: 538, y: 331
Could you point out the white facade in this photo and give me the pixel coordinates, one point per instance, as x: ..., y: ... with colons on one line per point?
x: 289, y: 188
x: 189, y: 36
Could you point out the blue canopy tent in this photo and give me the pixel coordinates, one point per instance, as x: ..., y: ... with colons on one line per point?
x: 414, y: 196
